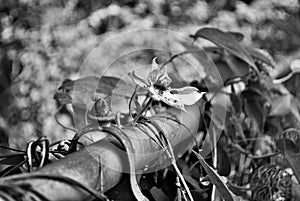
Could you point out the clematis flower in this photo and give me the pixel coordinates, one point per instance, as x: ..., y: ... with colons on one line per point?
x: 157, y: 85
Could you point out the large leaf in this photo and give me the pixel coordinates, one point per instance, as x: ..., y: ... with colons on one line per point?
x: 217, y: 116
x: 226, y: 41
x: 205, y: 60
x: 238, y: 36
x: 255, y: 105
x: 228, y: 66
x: 215, y: 179
x: 212, y: 60
x: 103, y: 85
x: 85, y: 91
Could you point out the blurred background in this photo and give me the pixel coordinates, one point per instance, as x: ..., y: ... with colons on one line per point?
x: 43, y: 42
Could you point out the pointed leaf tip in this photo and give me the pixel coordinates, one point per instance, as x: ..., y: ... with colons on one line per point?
x: 215, y: 179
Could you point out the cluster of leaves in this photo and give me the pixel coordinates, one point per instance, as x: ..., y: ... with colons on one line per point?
x: 254, y: 144
x: 257, y: 113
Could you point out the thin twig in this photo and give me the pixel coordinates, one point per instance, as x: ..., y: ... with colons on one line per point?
x: 11, y: 149
x: 130, y: 101
x: 179, y: 54
x: 145, y: 108
x: 58, y: 122
x: 248, y: 154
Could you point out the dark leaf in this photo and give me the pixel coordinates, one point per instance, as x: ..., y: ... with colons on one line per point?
x: 296, y: 191
x: 226, y: 41
x: 11, y: 66
x: 3, y: 137
x: 223, y: 162
x: 199, y: 195
x: 207, y: 84
x: 236, y: 103
x: 228, y: 66
x: 192, y: 181
x: 17, y: 69
x: 158, y: 194
x: 62, y: 98
x: 183, y: 167
x: 255, y: 105
x: 12, y: 159
x: 11, y: 170
x: 238, y: 190
x: 218, y: 114
x: 237, y: 66
x: 215, y: 179
x: 122, y: 191
x: 91, y: 84
x: 238, y: 36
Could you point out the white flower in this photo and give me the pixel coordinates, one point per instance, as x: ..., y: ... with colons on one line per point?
x: 157, y: 85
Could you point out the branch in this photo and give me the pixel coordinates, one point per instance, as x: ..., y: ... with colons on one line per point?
x: 101, y: 164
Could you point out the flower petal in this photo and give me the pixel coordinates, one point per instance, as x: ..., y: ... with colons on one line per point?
x: 190, y: 99
x: 154, y: 73
x: 187, y: 95
x: 158, y: 75
x: 164, y: 79
x: 154, y: 93
x: 137, y: 80
x: 172, y: 100
x: 184, y: 90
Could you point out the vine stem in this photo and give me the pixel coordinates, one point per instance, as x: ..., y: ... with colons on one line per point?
x: 130, y: 102
x: 145, y: 108
x: 181, y: 178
